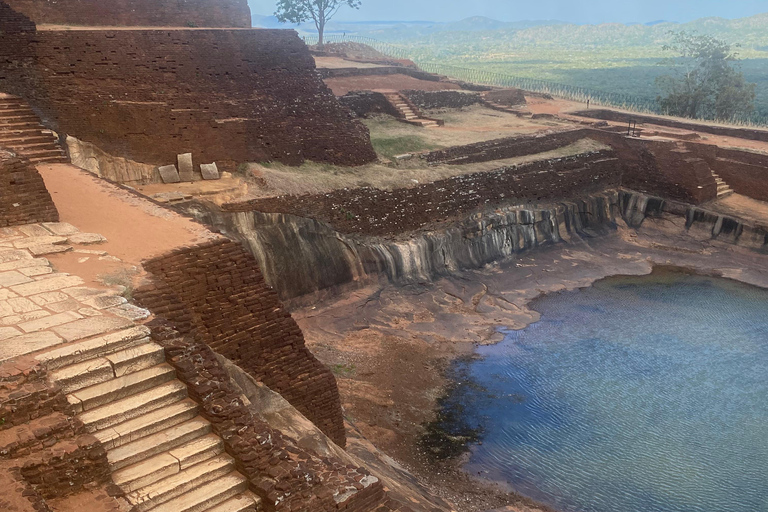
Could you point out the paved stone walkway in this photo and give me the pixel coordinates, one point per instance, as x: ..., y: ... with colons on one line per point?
x: 41, y: 308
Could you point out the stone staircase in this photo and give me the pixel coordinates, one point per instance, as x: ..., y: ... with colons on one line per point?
x: 723, y: 189
x: 517, y: 111
x: 409, y: 113
x: 22, y: 131
x: 162, y: 454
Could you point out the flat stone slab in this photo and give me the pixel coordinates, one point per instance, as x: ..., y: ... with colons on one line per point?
x: 13, y: 256
x: 42, y: 250
x: 36, y: 271
x: 186, y: 168
x: 60, y: 228
x: 27, y: 343
x: 87, y: 239
x: 92, y: 326
x: 210, y: 171
x: 171, y: 197
x: 40, y: 240
x: 46, y: 285
x: 8, y: 332
x: 169, y: 174
x: 130, y: 312
x: 49, y: 321
x: 34, y: 230
x: 13, y: 277
x: 23, y: 263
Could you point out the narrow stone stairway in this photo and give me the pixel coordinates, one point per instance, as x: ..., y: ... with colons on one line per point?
x: 163, y: 455
x: 410, y: 114
x: 22, y: 132
x: 723, y: 189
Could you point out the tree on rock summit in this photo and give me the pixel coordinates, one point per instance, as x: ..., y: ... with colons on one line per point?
x: 319, y: 11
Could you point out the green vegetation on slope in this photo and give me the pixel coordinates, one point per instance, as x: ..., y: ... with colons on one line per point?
x: 611, y: 58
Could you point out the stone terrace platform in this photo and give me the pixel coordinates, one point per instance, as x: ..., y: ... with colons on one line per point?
x: 41, y: 308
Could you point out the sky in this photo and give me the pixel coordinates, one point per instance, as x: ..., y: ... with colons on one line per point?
x: 575, y: 11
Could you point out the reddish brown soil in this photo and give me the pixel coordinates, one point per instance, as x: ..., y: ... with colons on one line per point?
x: 136, y: 229
x: 341, y: 86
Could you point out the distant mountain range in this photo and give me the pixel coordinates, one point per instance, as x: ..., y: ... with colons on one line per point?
x: 751, y: 32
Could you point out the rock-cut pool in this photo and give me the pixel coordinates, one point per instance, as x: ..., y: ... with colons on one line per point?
x: 641, y: 394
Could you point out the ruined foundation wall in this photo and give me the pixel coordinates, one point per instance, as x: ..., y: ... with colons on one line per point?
x: 285, y: 476
x: 216, y: 291
x: 45, y: 452
x: 143, y: 13
x: 375, y: 212
x: 229, y: 96
x: 23, y: 196
x: 727, y: 131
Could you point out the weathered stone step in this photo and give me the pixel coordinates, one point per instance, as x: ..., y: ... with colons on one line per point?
x: 94, y: 347
x: 147, y: 424
x: 32, y: 125
x: 133, y: 406
x: 153, y: 469
x: 49, y: 160
x: 41, y: 153
x: 25, y: 140
x: 96, y: 371
x: 120, y: 387
x: 206, y: 497
x: 184, y: 481
x: 159, y: 442
x: 240, y: 503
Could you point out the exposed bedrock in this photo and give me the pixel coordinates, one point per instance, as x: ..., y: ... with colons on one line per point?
x: 636, y: 208
x: 301, y: 256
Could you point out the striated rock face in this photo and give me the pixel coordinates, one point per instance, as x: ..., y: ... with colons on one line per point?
x: 301, y: 256
x: 636, y: 208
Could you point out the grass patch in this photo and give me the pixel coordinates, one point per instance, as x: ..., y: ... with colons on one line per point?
x: 343, y: 369
x: 389, y: 147
x: 122, y: 278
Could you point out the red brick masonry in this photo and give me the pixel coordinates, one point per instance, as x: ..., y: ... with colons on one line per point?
x: 23, y: 196
x: 216, y: 291
x: 143, y: 13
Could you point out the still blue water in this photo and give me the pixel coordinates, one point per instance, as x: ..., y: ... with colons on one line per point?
x: 643, y: 394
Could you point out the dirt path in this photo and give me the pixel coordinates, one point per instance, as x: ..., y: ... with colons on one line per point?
x: 136, y: 229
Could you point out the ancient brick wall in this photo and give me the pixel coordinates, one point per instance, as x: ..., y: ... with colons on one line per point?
x: 286, y: 476
x: 14, y: 22
x: 727, y: 131
x: 384, y: 212
x: 23, y: 196
x: 216, y: 291
x: 745, y: 172
x: 142, y: 13
x: 378, y: 71
x: 510, y: 147
x: 672, y: 170
x: 229, y: 96
x: 363, y: 103
x: 42, y: 444
x: 442, y: 99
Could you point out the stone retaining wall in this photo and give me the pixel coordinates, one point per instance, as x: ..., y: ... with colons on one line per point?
x: 216, y: 291
x: 24, y: 198
x: 42, y: 444
x: 727, y: 131
x: 285, y: 476
x: 391, y: 212
x: 228, y: 96
x: 143, y: 13
x: 427, y: 100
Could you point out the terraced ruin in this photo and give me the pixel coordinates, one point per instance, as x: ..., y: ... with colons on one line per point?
x: 233, y: 268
